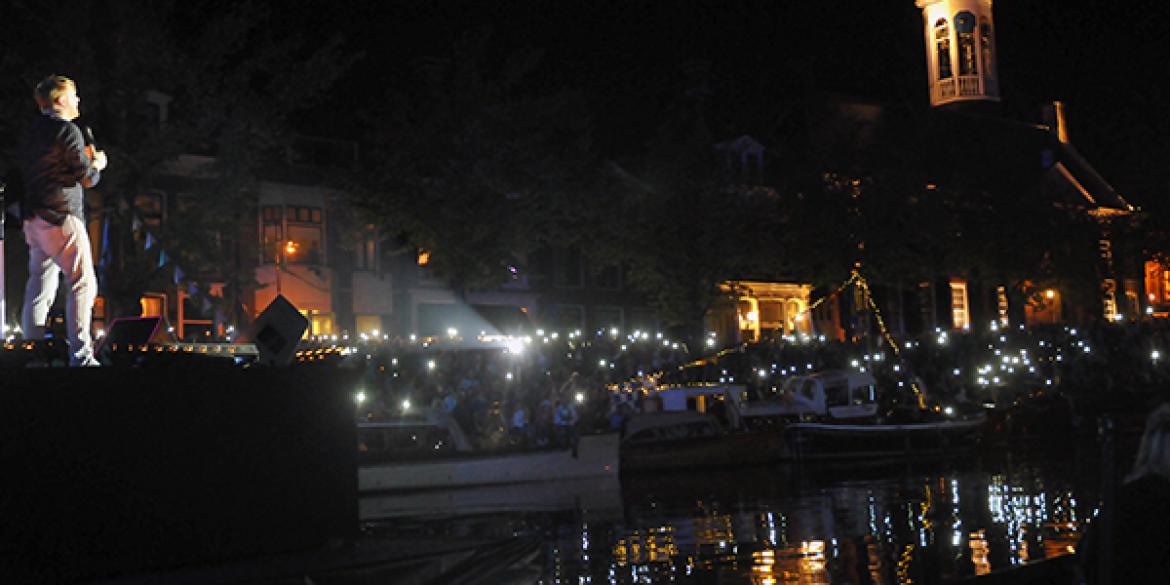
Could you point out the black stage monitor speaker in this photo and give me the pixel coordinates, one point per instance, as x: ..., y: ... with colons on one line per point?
x: 276, y: 332
x: 130, y: 330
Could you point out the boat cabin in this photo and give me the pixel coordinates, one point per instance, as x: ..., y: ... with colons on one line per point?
x: 831, y: 394
x: 421, y: 435
x: 839, y: 394
x: 720, y: 402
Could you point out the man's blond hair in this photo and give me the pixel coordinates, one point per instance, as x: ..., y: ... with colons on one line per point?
x: 51, y: 88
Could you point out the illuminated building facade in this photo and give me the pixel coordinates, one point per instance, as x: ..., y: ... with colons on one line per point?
x: 962, y: 76
x: 960, y: 51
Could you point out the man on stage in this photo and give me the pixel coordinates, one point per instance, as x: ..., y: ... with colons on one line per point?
x: 56, y: 168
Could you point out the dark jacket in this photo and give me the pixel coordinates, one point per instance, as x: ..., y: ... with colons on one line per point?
x: 55, y: 168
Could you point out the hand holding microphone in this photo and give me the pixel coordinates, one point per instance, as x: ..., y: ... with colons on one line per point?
x: 97, y: 157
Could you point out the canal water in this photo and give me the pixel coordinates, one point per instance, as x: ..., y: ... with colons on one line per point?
x: 874, y: 521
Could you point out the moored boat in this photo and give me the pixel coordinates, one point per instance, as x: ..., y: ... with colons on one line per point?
x: 828, y: 440
x: 687, y: 439
x: 836, y: 414
x: 695, y: 426
x: 431, y: 451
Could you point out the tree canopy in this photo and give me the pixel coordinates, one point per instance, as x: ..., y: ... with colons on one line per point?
x: 474, y: 165
x: 231, y: 82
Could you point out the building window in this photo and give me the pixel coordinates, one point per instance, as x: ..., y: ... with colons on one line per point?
x: 570, y: 271
x: 985, y: 45
x: 1109, y: 298
x: 960, y: 317
x: 369, y: 324
x: 365, y: 254
x: 1106, y: 248
x: 965, y: 27
x: 304, y: 230
x: 1002, y: 304
x: 299, y: 225
x: 1157, y: 283
x: 942, y: 45
x: 271, y: 233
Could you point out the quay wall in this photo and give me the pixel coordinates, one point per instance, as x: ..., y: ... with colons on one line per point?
x: 118, y: 471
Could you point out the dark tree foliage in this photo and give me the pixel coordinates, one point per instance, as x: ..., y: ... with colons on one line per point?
x: 233, y: 76
x: 684, y: 219
x: 472, y: 163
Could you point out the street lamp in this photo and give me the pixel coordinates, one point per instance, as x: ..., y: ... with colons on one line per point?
x: 289, y: 248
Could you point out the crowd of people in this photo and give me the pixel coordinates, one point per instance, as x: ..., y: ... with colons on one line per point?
x: 543, y: 388
x: 535, y: 391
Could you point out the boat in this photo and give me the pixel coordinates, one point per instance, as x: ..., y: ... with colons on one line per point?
x: 429, y: 450
x: 598, y: 498
x: 695, y: 426
x: 835, y: 414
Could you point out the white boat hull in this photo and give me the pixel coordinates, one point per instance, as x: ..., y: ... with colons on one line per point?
x: 840, y: 440
x: 598, y: 497
x: 597, y: 455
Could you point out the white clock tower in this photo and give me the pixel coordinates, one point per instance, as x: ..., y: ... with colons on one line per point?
x: 960, y: 51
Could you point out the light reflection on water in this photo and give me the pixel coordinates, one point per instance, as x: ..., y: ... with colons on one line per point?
x: 893, y: 524
x: 850, y: 523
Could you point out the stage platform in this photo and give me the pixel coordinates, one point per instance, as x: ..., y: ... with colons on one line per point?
x: 157, y: 464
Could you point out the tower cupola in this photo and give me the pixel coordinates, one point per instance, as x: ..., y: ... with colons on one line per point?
x: 960, y: 51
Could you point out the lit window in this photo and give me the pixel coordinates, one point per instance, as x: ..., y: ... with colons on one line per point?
x: 960, y: 317
x: 965, y: 27
x: 942, y: 45
x: 985, y: 46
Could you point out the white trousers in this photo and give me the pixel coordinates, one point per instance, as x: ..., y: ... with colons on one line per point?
x: 52, y: 251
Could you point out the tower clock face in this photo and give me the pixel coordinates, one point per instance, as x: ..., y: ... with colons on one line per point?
x: 964, y: 22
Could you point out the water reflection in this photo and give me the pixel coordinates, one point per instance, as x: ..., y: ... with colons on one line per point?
x: 881, y: 524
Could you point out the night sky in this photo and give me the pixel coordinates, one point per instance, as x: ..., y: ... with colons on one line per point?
x: 1106, y: 60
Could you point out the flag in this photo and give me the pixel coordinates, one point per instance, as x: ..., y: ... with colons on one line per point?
x: 149, y: 240
x: 178, y: 275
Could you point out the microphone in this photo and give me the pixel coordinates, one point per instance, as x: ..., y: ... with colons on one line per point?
x: 90, y: 143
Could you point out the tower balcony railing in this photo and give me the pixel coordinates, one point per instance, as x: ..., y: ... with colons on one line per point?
x: 964, y: 86
x: 946, y: 87
x: 970, y: 85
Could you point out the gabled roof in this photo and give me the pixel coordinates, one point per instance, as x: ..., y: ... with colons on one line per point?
x: 997, y: 144
x: 1099, y: 195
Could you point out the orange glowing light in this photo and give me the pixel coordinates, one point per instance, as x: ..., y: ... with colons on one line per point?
x: 1049, y: 294
x: 290, y: 247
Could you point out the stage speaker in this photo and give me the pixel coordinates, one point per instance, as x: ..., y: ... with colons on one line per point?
x: 276, y: 331
x: 130, y: 331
